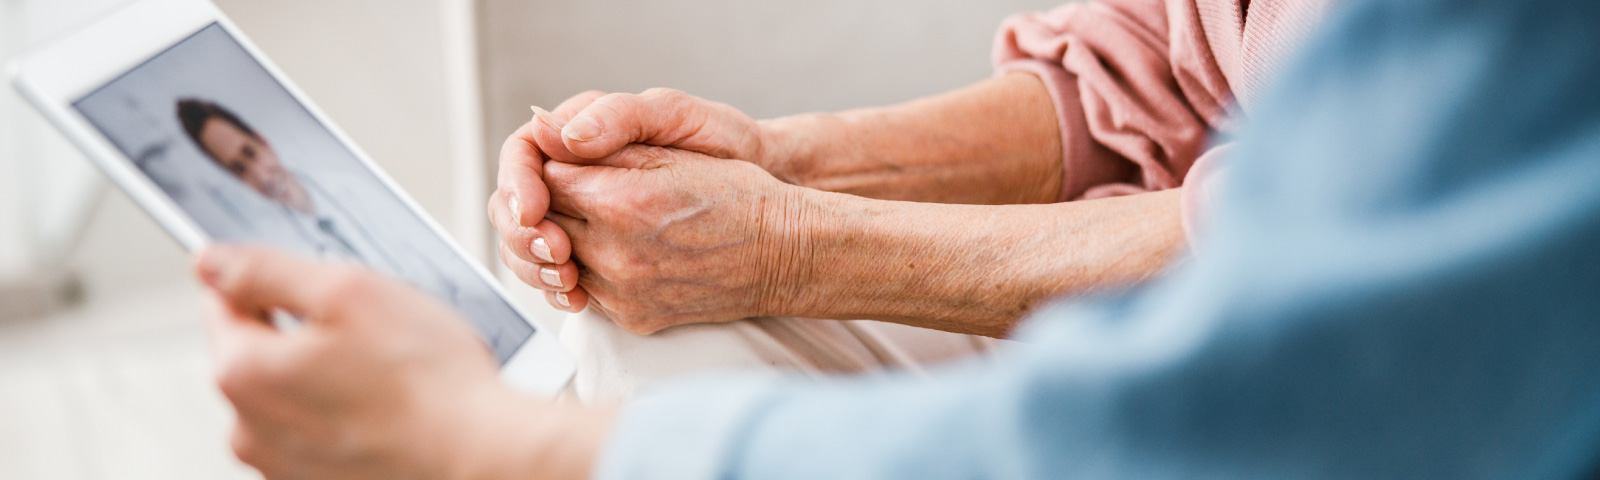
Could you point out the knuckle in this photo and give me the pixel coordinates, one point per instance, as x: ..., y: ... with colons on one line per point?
x: 234, y: 381
x: 668, y: 95
x: 489, y: 211
x: 245, y: 269
x: 610, y: 102
x: 516, y: 149
x: 246, y: 376
x: 614, y: 107
x: 245, y: 447
x: 347, y: 286
x: 519, y: 239
x: 609, y: 207
x: 616, y: 269
x: 633, y: 203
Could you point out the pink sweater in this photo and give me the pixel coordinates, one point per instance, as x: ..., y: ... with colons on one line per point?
x: 1140, y: 84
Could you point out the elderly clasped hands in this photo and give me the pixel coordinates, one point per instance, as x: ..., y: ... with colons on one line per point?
x: 665, y: 236
x: 662, y: 209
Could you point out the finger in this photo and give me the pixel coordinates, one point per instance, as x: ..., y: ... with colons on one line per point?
x: 228, y: 328
x: 542, y: 243
x: 261, y: 280
x: 236, y: 337
x: 548, y: 124
x: 251, y: 450
x: 260, y: 444
x: 579, y: 191
x: 661, y: 117
x: 573, y: 302
x: 643, y: 157
x: 543, y: 276
x: 521, y: 177
x: 547, y: 135
x: 578, y: 230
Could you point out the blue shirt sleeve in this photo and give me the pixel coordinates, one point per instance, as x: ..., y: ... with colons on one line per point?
x: 1405, y: 283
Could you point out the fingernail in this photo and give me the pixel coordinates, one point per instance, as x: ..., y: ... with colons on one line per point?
x: 561, y: 298
x: 545, y: 117
x: 541, y: 250
x: 550, y: 277
x: 211, y: 263
x: 583, y: 129
x: 516, y: 208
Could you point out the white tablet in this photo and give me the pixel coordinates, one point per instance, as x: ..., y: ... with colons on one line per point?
x: 187, y: 116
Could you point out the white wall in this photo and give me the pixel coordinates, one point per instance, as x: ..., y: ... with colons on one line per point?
x: 46, y: 187
x: 766, y: 57
x: 13, y: 240
x: 377, y: 68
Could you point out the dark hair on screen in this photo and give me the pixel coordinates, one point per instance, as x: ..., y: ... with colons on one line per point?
x: 194, y: 113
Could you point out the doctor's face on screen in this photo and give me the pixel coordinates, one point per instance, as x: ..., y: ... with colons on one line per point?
x: 242, y: 152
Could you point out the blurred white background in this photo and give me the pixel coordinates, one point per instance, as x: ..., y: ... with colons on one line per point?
x: 117, y: 384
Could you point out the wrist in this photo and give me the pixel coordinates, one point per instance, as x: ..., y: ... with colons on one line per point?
x: 787, y: 145
x: 793, y: 230
x: 510, y: 436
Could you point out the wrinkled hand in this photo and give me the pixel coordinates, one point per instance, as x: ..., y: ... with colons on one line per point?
x: 534, y: 248
x: 382, y: 381
x: 599, y: 126
x: 670, y: 237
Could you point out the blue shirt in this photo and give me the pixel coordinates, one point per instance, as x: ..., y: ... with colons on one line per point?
x: 1402, y: 281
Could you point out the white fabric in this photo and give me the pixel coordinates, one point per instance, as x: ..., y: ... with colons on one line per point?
x: 614, y: 364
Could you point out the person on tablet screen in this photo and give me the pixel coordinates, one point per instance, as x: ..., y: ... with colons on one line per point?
x: 321, y: 221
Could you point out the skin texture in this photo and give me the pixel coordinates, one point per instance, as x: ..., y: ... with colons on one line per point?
x: 690, y: 241
x: 254, y: 162
x: 972, y: 268
x: 966, y: 268
x: 382, y: 382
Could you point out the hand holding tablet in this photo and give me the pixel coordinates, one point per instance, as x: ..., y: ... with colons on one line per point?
x: 184, y: 114
x: 414, y: 394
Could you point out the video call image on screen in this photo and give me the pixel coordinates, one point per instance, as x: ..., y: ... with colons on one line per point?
x: 237, y: 153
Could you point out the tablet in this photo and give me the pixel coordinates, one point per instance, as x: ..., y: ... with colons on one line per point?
x: 183, y: 113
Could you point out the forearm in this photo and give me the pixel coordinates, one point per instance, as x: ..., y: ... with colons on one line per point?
x: 995, y: 142
x: 967, y: 268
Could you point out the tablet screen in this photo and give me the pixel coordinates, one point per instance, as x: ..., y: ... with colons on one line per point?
x: 237, y: 153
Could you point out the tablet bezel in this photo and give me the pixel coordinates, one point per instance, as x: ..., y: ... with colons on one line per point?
x: 54, y: 77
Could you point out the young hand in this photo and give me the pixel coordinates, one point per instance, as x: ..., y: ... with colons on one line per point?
x: 381, y: 382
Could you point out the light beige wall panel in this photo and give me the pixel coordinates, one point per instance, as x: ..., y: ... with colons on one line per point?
x: 377, y: 68
x: 768, y: 58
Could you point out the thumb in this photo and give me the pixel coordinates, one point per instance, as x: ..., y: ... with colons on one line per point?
x: 663, y: 118
x: 263, y: 280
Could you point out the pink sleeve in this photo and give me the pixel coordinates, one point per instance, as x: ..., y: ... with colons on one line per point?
x: 1136, y: 89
